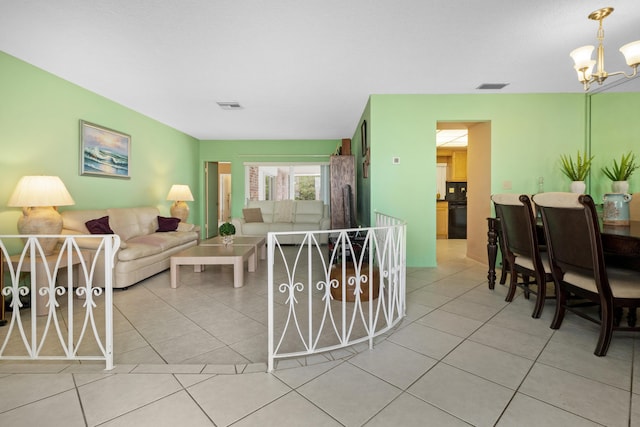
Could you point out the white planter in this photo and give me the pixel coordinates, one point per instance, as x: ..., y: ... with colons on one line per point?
x: 620, y: 187
x: 578, y: 187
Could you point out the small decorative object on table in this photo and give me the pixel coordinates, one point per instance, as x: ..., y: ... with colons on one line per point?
x: 620, y: 173
x: 577, y: 172
x: 227, y: 230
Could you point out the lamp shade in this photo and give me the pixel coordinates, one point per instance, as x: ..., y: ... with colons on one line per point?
x: 631, y: 52
x: 180, y: 192
x: 36, y: 191
x: 584, y: 75
x: 582, y: 56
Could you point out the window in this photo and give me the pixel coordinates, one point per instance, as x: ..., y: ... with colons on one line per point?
x: 282, y: 181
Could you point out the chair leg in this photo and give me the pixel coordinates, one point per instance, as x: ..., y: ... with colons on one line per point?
x: 542, y: 295
x: 512, y: 286
x: 606, y: 330
x: 631, y: 317
x: 526, y: 281
x: 561, y: 308
x: 503, y: 274
x: 617, y: 316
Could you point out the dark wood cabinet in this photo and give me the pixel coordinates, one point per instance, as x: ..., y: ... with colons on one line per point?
x: 343, y: 198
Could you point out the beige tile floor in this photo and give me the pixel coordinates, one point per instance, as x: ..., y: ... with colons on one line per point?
x: 196, y: 356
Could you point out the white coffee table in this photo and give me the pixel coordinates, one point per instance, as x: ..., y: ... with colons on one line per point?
x: 258, y: 242
x: 198, y: 256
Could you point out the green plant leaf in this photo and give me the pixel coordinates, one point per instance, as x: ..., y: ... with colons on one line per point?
x: 622, y: 171
x: 227, y: 229
x: 578, y: 170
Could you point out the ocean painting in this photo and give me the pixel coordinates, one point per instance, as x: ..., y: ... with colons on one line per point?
x: 104, y: 152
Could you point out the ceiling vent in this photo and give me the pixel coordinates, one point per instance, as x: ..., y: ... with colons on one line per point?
x: 492, y: 86
x: 231, y: 105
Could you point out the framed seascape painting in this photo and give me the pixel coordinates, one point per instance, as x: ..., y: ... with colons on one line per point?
x: 104, y: 152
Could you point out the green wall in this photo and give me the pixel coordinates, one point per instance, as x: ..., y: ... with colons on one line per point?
x: 239, y: 152
x: 363, y: 185
x: 39, y: 135
x: 615, y: 130
x: 528, y: 134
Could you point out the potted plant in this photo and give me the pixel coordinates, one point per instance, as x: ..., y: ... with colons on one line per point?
x: 620, y: 173
x: 576, y: 171
x: 227, y: 230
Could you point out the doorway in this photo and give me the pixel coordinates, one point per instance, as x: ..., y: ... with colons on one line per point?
x: 477, y: 160
x: 224, y: 192
x: 217, y: 183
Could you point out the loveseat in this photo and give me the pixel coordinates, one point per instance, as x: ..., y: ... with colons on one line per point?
x: 143, y: 250
x: 263, y: 216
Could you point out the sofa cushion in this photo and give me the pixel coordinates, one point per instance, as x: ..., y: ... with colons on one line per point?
x: 76, y: 220
x: 266, y: 208
x: 252, y: 215
x: 309, y: 211
x: 256, y: 228
x: 132, y: 222
x: 99, y: 226
x: 167, y: 224
x: 283, y: 211
x: 141, y: 246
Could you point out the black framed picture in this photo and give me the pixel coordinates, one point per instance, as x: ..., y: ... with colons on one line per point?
x: 363, y: 135
x: 104, y: 152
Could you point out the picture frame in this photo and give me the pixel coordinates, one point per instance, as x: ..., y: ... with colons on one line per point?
x: 104, y: 152
x: 363, y: 136
x: 365, y: 164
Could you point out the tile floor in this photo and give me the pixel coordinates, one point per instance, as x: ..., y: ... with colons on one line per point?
x: 196, y: 356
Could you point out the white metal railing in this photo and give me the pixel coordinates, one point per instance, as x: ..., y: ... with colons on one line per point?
x: 310, y: 311
x: 67, y: 318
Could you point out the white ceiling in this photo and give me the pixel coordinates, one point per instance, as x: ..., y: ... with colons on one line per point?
x: 303, y: 69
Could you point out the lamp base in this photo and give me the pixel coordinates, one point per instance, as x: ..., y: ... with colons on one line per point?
x: 41, y: 220
x: 180, y: 210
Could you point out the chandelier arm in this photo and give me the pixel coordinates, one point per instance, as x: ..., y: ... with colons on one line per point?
x: 629, y: 76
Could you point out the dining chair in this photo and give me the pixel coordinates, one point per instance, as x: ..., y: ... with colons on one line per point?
x: 577, y: 261
x: 521, y: 249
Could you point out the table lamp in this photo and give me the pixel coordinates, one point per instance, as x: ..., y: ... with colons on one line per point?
x: 38, y: 196
x: 180, y: 194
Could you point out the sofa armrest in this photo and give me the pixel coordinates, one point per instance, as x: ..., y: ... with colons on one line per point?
x: 185, y: 226
x: 237, y: 223
x: 325, y: 223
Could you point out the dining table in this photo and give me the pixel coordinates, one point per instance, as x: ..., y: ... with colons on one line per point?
x: 620, y: 244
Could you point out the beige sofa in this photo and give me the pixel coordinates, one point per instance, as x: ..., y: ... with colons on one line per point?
x: 143, y: 251
x: 286, y: 215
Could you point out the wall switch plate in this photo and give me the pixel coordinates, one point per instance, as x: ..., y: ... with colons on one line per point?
x: 395, y: 160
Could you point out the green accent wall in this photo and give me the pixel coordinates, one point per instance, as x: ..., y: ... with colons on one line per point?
x: 39, y: 135
x: 239, y: 152
x: 363, y: 185
x: 528, y: 134
x: 615, y: 130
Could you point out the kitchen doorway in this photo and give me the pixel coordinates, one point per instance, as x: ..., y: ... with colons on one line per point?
x: 474, y: 168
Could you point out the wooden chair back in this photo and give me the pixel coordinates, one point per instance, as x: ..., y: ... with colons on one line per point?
x: 573, y: 238
x: 517, y: 224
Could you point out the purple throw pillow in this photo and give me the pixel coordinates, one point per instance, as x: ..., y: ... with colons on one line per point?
x: 99, y: 226
x: 167, y: 223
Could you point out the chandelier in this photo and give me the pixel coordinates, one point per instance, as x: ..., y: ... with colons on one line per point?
x: 583, y: 64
